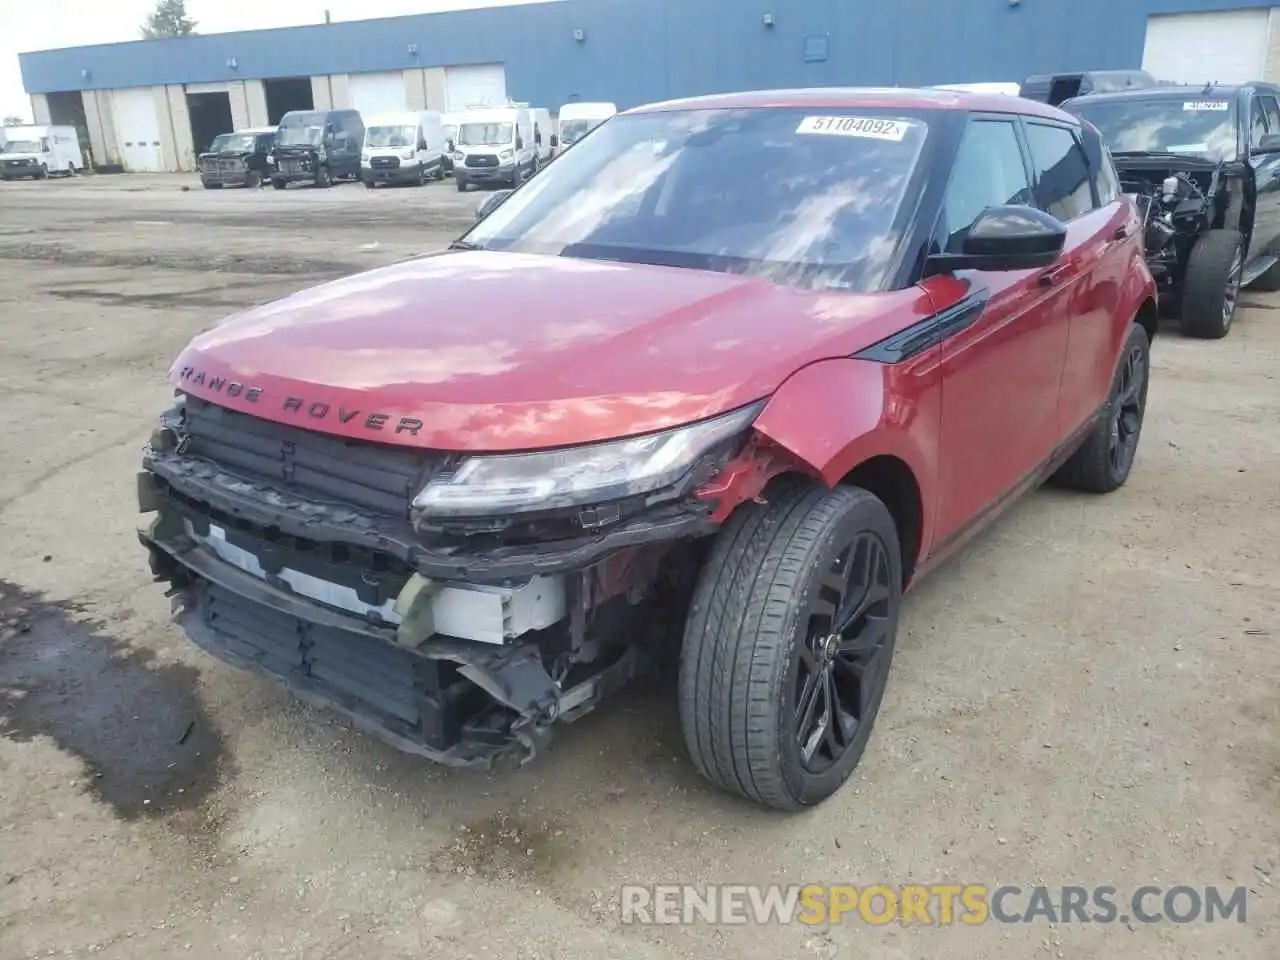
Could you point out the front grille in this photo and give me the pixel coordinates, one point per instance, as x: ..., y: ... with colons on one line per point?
x: 369, y: 476
x: 481, y: 160
x: 219, y: 165
x: 19, y: 163
x: 294, y: 164
x: 385, y: 163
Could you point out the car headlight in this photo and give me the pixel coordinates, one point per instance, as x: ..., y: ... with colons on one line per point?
x: 571, y: 476
x: 507, y: 154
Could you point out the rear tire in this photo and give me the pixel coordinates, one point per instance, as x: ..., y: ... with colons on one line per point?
x: 369, y: 184
x: 323, y: 178
x: 71, y: 170
x: 1102, y: 462
x: 461, y: 185
x: 253, y: 179
x: 775, y: 703
x: 1269, y: 280
x: 1211, y: 286
x: 277, y: 184
x: 44, y: 172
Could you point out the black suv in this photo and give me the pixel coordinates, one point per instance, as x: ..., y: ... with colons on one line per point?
x: 237, y: 159
x: 1204, y: 162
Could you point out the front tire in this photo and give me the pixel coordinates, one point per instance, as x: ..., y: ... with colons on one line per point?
x: 278, y: 184
x: 1102, y: 462
x: 1211, y: 286
x: 44, y: 172
x: 788, y: 643
x: 323, y: 177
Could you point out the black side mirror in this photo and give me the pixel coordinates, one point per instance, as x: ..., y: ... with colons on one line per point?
x: 1270, y: 143
x: 1013, y: 237
x: 555, y: 141
x: 450, y: 146
x: 519, y: 143
x: 491, y: 203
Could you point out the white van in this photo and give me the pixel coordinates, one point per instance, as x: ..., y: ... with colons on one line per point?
x: 37, y: 151
x: 403, y: 148
x: 494, y: 146
x: 544, y: 134
x: 579, y: 119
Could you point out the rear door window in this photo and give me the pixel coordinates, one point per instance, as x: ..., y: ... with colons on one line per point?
x: 1062, y: 186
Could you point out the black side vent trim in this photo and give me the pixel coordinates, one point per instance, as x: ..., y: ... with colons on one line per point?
x: 929, y: 332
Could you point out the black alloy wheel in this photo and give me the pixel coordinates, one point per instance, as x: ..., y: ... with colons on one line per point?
x: 788, y: 643
x: 841, y: 665
x: 1127, y: 409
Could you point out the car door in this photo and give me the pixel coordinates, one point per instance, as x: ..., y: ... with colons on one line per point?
x: 1266, y: 174
x: 1095, y: 259
x: 1000, y: 372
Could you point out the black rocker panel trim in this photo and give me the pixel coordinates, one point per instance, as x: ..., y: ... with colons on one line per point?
x: 930, y: 331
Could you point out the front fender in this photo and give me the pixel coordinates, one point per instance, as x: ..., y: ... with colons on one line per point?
x: 835, y: 414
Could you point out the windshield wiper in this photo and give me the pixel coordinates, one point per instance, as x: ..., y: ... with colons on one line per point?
x: 1161, y: 155
x: 465, y: 245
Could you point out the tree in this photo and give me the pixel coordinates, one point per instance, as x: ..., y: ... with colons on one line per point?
x: 169, y: 19
x: 14, y: 121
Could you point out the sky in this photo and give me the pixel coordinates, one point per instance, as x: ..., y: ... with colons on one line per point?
x: 73, y: 23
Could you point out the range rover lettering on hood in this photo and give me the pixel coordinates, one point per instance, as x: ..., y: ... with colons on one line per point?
x: 300, y: 406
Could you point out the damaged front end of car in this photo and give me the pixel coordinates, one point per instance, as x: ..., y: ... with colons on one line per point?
x: 454, y: 605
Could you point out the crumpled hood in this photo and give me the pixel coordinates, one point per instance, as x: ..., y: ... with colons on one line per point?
x: 503, y: 351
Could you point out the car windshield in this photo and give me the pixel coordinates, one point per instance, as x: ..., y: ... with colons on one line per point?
x: 303, y: 132
x: 22, y: 146
x: 571, y: 131
x: 397, y: 136
x: 233, y: 143
x: 811, y: 201
x: 484, y: 134
x: 1195, y: 126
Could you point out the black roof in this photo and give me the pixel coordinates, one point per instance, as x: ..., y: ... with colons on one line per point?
x: 1172, y: 91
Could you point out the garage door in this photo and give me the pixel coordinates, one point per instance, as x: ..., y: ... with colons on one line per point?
x: 476, y: 85
x: 137, y: 128
x: 378, y: 93
x: 1203, y: 47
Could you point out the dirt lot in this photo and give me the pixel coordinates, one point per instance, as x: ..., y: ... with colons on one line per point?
x: 1088, y: 695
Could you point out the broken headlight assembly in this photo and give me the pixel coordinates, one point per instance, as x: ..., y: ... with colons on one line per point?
x: 577, y: 476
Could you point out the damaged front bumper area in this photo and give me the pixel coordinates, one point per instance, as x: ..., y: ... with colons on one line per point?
x: 285, y: 553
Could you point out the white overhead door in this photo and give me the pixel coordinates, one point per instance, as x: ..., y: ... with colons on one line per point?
x: 1229, y: 47
x: 375, y: 93
x: 475, y: 85
x: 137, y: 128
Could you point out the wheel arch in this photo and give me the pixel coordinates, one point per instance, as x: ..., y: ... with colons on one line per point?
x: 1148, y: 317
x: 851, y: 422
x: 891, y: 480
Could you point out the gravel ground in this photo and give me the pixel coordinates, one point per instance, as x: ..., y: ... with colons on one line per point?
x: 1087, y: 695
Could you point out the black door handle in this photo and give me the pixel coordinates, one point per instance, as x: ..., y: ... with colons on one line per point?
x: 1120, y: 233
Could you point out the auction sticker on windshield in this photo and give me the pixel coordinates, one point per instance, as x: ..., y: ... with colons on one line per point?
x: 1198, y: 105
x: 875, y: 128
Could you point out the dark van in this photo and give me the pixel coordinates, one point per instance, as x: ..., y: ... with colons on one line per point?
x: 318, y: 147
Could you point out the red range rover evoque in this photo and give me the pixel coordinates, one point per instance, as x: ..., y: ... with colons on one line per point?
x: 730, y: 375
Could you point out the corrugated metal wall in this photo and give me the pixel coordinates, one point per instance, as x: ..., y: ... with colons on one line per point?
x: 634, y: 51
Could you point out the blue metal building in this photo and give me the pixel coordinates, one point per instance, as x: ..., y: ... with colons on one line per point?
x: 634, y: 51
